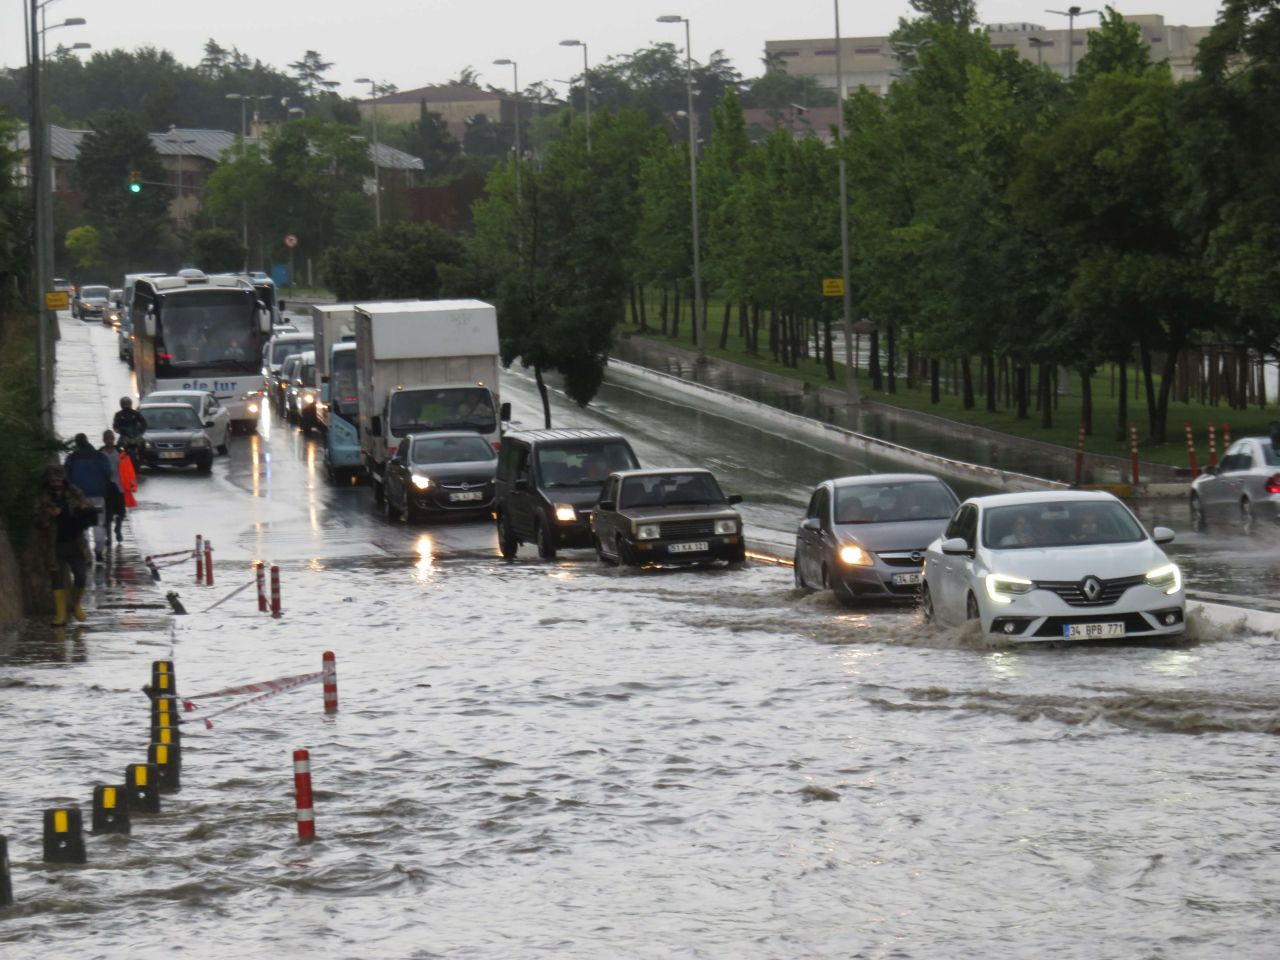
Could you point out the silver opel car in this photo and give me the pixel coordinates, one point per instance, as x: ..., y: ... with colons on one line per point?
x: 1243, y: 488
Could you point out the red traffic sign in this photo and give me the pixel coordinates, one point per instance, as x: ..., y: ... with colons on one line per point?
x: 290, y: 241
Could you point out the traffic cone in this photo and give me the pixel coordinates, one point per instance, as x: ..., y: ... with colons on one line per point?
x: 76, y: 609
x: 59, y: 608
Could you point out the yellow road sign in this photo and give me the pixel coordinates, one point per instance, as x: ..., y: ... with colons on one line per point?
x: 833, y: 287
x: 57, y: 300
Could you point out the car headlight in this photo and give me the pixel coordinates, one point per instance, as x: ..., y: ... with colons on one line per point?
x: 200, y: 442
x: 422, y: 483
x: 855, y: 556
x: 726, y: 527
x: 1167, y: 577
x: 648, y: 531
x: 565, y: 513
x: 253, y: 408
x: 1002, y: 589
x: 308, y: 398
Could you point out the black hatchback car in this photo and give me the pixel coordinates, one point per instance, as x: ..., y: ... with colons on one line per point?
x: 175, y: 437
x: 434, y: 474
x: 548, y: 482
x: 668, y: 517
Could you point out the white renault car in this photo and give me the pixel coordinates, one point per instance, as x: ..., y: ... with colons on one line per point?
x: 214, y: 417
x: 1061, y: 565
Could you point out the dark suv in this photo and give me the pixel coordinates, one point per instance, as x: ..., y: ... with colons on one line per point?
x: 548, y: 482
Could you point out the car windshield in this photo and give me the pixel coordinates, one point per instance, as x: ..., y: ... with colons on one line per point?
x: 449, y: 408
x: 280, y: 350
x: 307, y: 374
x: 893, y: 502
x: 171, y: 418
x: 1271, y: 454
x: 584, y: 464
x: 670, y: 489
x: 94, y: 293
x: 451, y: 450
x: 1059, y: 524
x: 190, y: 399
x: 342, y: 379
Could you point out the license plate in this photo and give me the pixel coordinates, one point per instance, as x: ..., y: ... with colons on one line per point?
x: 905, y: 579
x: 697, y: 546
x: 1093, y: 631
x: 466, y: 495
x: 171, y: 454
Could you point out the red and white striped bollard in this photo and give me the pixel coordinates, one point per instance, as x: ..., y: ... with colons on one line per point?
x: 302, y: 795
x: 208, y: 563
x: 329, y: 669
x: 1080, y: 456
x: 199, y: 558
x: 1191, y: 450
x: 260, y: 576
x: 1213, y: 447
x: 275, y: 592
x: 1226, y: 436
x: 1133, y: 450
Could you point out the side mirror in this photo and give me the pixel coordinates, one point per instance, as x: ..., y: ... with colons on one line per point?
x: 149, y: 324
x: 375, y: 426
x: 522, y: 485
x: 1162, y: 535
x: 264, y: 321
x: 811, y: 523
x: 735, y: 498
x: 609, y: 505
x: 956, y: 547
x: 280, y: 306
x: 504, y: 412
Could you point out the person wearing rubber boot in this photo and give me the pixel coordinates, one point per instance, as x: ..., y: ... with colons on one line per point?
x: 89, y: 471
x: 63, y: 514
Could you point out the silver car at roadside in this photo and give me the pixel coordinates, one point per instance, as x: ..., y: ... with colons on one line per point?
x: 1243, y: 488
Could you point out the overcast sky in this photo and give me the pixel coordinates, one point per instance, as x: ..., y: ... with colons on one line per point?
x: 412, y: 43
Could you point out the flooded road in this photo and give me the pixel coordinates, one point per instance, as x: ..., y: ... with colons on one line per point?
x: 567, y: 760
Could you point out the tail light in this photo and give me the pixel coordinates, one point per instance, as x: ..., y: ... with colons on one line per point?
x: 496, y: 444
x: 166, y: 356
x: 1273, y: 483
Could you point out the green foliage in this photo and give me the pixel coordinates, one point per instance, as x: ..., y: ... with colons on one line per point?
x: 403, y: 261
x: 85, y: 246
x: 218, y: 250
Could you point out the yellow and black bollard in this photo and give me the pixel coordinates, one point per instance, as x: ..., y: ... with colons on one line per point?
x: 141, y: 788
x: 6, y: 885
x: 111, y: 810
x: 63, y: 835
x: 164, y: 704
x: 171, y: 737
x: 162, y: 678
x: 168, y: 778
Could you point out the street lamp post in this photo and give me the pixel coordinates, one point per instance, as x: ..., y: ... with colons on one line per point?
x: 244, y: 134
x: 699, y: 320
x: 375, y: 90
x: 1071, y: 13
x: 586, y: 83
x: 181, y: 142
x: 515, y: 82
x: 851, y: 379
x: 1039, y: 43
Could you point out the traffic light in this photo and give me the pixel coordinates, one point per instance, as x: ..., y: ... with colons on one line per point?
x: 135, y: 182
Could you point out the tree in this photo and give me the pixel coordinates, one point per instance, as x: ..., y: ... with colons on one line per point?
x: 85, y: 246
x: 218, y: 250
x: 310, y: 71
x: 403, y: 261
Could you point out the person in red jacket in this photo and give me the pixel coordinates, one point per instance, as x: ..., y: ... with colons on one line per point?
x: 125, y: 482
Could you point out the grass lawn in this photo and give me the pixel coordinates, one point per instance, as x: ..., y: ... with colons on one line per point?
x: 1065, y: 430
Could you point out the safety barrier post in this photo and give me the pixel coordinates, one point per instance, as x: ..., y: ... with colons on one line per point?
x: 164, y: 706
x: 6, y: 883
x: 169, y: 734
x: 1133, y: 450
x: 162, y: 678
x: 208, y: 563
x: 1191, y: 450
x: 275, y: 592
x: 168, y: 778
x: 329, y: 671
x: 63, y: 835
x: 199, y: 559
x: 111, y: 810
x: 260, y: 575
x: 1080, y: 456
x: 1226, y: 436
x: 302, y: 795
x: 1213, y: 448
x: 141, y: 788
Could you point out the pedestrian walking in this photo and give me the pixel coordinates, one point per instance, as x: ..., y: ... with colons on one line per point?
x: 89, y: 471
x: 63, y: 514
x: 124, y: 483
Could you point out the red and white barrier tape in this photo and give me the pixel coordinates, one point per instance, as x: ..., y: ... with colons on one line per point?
x: 277, y: 687
x: 171, y: 553
x: 171, y: 563
x: 241, y: 589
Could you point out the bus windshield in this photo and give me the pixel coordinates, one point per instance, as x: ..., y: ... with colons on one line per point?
x: 215, y: 331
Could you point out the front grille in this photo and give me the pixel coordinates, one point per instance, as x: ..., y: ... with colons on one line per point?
x: 903, y: 558
x: 171, y: 445
x: 676, y: 529
x: 1072, y: 591
x: 468, y: 483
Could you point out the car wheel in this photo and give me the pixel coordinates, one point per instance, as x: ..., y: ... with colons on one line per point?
x: 738, y: 559
x: 379, y: 491
x: 543, y: 537
x: 411, y: 513
x: 626, y: 555
x: 390, y: 509
x: 926, y: 605
x: 1247, y: 519
x: 971, y: 611
x: 1197, y: 514
x: 797, y: 575
x: 507, y: 542
x: 223, y: 446
x: 206, y: 465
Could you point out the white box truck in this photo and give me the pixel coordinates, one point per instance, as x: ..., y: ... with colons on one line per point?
x: 422, y: 366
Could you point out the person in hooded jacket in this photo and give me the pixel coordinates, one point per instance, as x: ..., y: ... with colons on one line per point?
x: 91, y: 473
x: 62, y: 515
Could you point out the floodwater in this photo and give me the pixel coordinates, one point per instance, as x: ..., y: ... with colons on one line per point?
x: 561, y: 759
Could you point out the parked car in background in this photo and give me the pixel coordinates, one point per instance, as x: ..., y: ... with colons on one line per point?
x: 1243, y: 488
x: 175, y: 437
x: 864, y: 537
x: 440, y: 473
x: 91, y: 301
x: 547, y: 485
x: 215, y: 418
x: 666, y: 517
x: 1053, y: 565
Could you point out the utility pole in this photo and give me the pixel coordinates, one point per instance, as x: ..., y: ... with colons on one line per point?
x: 851, y: 378
x: 40, y: 186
